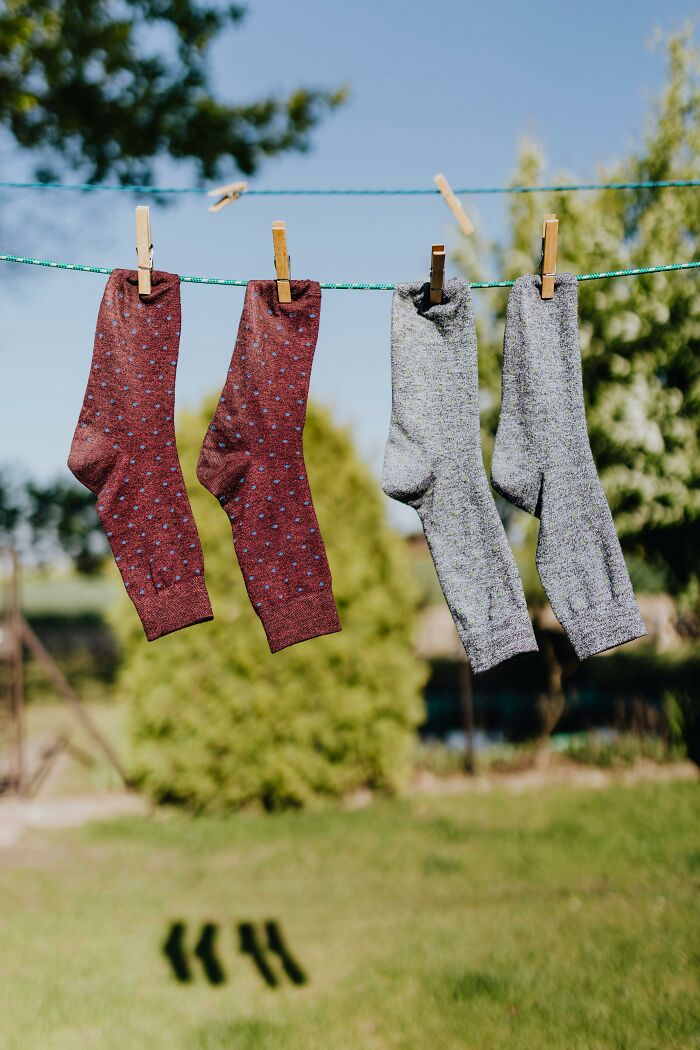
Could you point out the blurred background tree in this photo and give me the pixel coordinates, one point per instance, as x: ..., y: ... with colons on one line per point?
x: 97, y: 89
x: 640, y: 344
x: 96, y: 86
x: 217, y: 722
x: 50, y: 521
x: 640, y: 339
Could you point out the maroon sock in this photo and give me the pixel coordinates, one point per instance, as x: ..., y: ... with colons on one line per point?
x: 124, y: 451
x: 252, y: 460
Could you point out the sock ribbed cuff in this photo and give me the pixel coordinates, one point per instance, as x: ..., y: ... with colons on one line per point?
x: 173, y: 608
x: 499, y: 643
x: 605, y: 626
x: 308, y: 616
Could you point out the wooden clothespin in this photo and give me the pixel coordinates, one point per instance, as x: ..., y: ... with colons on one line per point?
x: 279, y: 242
x: 226, y: 194
x: 437, y: 273
x: 464, y: 222
x: 144, y: 248
x: 548, y: 266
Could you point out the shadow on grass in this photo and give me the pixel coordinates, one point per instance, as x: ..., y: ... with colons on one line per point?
x: 176, y: 952
x: 265, y: 945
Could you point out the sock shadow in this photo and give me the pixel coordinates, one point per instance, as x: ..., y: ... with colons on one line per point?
x: 277, y: 944
x: 205, y: 950
x: 250, y: 945
x: 175, y: 952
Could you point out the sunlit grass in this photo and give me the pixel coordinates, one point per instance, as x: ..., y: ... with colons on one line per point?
x: 561, y: 919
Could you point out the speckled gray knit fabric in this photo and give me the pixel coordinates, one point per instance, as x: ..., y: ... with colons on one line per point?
x: 433, y: 463
x: 542, y: 462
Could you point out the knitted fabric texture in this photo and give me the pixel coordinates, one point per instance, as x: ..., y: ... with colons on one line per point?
x: 542, y: 463
x: 252, y: 460
x: 433, y: 462
x: 124, y: 451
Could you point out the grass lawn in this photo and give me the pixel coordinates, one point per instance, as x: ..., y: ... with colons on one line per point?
x: 554, y: 920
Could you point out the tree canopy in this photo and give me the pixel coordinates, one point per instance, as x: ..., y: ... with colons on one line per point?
x: 640, y: 336
x: 218, y: 722
x: 106, y: 88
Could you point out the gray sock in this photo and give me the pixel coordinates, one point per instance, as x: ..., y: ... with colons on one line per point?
x: 542, y: 462
x: 433, y: 463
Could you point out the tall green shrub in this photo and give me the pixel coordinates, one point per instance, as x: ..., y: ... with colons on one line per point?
x: 640, y: 337
x: 218, y: 722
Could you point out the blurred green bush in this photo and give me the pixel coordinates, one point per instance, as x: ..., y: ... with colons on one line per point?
x: 682, y: 709
x: 219, y: 723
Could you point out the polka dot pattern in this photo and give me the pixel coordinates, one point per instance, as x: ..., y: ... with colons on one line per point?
x: 124, y: 451
x: 252, y: 460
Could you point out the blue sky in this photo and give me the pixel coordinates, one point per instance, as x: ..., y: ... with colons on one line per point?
x: 435, y: 87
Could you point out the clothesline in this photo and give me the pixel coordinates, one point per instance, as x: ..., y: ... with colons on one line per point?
x: 352, y: 286
x: 92, y: 187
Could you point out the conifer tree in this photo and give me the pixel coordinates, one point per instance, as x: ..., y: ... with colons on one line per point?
x: 218, y: 722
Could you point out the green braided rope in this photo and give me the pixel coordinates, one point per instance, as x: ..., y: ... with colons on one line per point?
x: 91, y: 187
x: 349, y: 285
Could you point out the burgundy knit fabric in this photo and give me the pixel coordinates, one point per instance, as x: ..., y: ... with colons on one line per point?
x: 124, y: 451
x: 252, y: 460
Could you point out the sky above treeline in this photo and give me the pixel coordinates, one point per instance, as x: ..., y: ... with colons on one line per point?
x: 449, y: 87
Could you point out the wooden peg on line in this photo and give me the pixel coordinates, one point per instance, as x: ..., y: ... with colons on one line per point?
x: 226, y: 194
x: 437, y: 273
x: 144, y: 248
x: 464, y: 222
x: 279, y: 242
x: 548, y: 267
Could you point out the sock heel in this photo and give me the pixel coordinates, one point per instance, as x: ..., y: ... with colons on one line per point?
x: 405, y: 475
x: 515, y: 478
x: 92, y: 458
x: 221, y: 475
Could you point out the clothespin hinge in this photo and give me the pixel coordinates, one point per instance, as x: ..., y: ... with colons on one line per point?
x: 226, y: 194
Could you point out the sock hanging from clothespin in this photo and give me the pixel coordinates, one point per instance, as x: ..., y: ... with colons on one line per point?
x: 463, y: 221
x: 226, y: 194
x: 437, y: 273
x: 282, y: 269
x: 548, y: 266
x: 144, y: 248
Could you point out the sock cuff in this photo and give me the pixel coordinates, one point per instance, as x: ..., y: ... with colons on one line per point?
x: 307, y: 616
x: 304, y: 294
x: 125, y: 284
x: 543, y: 331
x: 604, y: 626
x: 493, y: 644
x: 529, y: 286
x: 172, y: 608
x: 456, y: 300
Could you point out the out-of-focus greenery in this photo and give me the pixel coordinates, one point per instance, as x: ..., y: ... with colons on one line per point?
x: 43, y: 521
x: 640, y: 336
x: 682, y: 709
x: 623, y: 749
x: 218, y: 722
x: 109, y: 88
x: 560, y: 918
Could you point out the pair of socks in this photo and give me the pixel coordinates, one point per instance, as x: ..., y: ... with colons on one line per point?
x: 252, y: 459
x: 542, y: 463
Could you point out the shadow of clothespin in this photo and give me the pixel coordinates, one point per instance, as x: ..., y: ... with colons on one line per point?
x: 226, y: 194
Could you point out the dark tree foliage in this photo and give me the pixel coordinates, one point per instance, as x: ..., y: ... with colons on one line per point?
x: 107, y: 87
x: 45, y: 520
